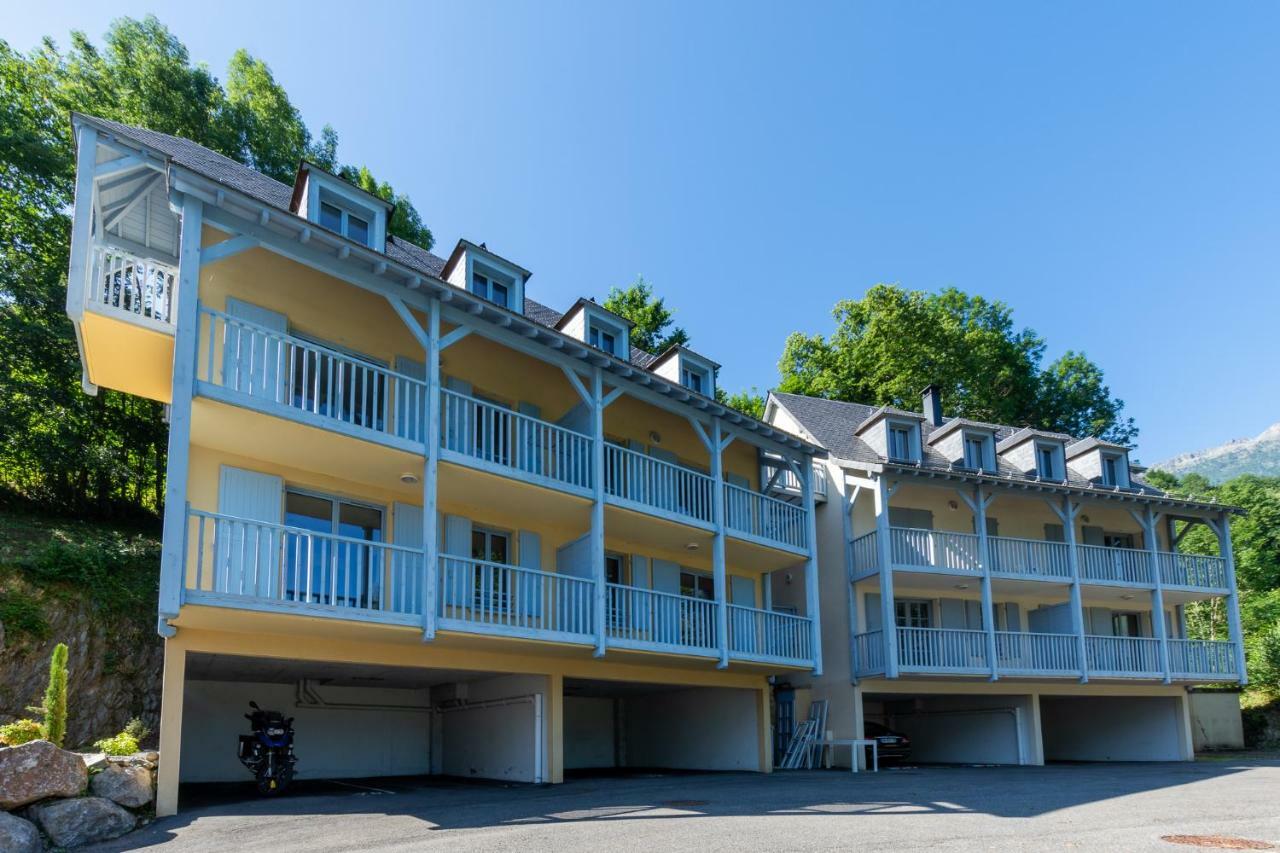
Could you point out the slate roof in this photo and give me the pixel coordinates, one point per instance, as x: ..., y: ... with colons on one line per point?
x: 241, y: 178
x: 833, y: 424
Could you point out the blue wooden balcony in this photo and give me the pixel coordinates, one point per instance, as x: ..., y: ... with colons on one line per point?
x: 250, y: 565
x: 242, y: 363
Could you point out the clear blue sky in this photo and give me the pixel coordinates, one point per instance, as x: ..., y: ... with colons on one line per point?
x: 1109, y: 169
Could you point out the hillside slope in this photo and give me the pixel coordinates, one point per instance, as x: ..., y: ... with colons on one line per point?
x: 1259, y: 455
x: 94, y: 588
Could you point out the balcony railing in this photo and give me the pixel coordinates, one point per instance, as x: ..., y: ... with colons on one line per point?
x: 297, y: 568
x: 1211, y: 659
x: 913, y: 548
x: 1031, y: 654
x: 642, y: 618
x: 1123, y: 656
x: 864, y: 553
x: 1126, y: 565
x: 1194, y: 570
x: 1030, y: 557
x: 769, y: 635
x: 761, y: 516
x: 498, y: 436
x: 788, y: 483
x: 935, y: 549
x: 123, y: 283
x: 276, y: 369
x: 942, y: 649
x: 484, y: 596
x: 657, y: 484
x: 868, y: 652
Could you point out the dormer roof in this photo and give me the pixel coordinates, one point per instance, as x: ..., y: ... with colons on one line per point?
x: 954, y: 424
x: 306, y: 167
x: 481, y: 250
x: 883, y: 412
x: 681, y: 348
x: 595, y: 307
x: 1093, y: 443
x: 1027, y: 433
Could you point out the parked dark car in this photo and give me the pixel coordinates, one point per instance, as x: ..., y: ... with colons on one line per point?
x: 893, y: 746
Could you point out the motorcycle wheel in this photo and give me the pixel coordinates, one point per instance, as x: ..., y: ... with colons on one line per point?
x: 270, y: 787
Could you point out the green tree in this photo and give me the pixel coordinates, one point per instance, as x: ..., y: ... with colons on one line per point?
x: 748, y: 402
x: 104, y: 455
x: 1255, y: 539
x: 893, y: 342
x: 649, y: 313
x: 55, y: 697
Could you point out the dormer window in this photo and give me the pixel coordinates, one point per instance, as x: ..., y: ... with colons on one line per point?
x: 694, y: 379
x: 602, y: 339
x: 1047, y: 462
x: 346, y: 223
x: 900, y: 443
x: 1111, y: 470
x: 489, y: 286
x: 978, y: 453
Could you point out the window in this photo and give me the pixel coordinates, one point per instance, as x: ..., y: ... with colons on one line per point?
x: 913, y: 614
x: 1046, y: 465
x: 603, y: 339
x: 351, y: 389
x: 1117, y: 540
x: 323, y: 570
x: 1111, y: 470
x: 614, y: 566
x: 693, y: 379
x: 975, y: 452
x: 492, y: 585
x: 490, y: 288
x: 351, y: 225
x: 697, y: 585
x: 1126, y: 625
x: 900, y: 442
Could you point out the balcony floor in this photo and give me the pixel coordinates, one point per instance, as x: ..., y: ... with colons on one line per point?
x: 148, y: 369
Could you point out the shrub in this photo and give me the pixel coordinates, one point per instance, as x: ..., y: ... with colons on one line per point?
x: 55, y: 697
x: 20, y: 732
x: 136, y: 729
x: 122, y: 744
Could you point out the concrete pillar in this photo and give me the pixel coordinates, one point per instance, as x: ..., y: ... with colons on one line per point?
x: 765, y: 720
x: 1036, y: 732
x: 555, y: 728
x: 171, y: 691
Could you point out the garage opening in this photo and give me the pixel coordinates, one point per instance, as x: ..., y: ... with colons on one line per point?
x: 632, y: 727
x: 354, y: 721
x: 1113, y: 728
x: 956, y: 729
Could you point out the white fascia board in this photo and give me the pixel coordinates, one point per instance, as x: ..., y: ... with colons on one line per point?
x: 232, y: 211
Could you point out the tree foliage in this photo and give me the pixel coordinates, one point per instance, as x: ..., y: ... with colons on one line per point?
x: 1255, y: 539
x: 55, y: 697
x: 649, y: 313
x: 893, y: 342
x: 103, y: 456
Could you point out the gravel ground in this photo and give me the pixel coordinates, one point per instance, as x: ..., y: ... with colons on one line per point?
x: 1059, y: 807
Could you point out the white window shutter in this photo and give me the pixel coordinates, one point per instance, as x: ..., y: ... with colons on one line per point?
x: 407, y: 570
x: 248, y: 555
x: 530, y: 586
x: 457, y: 577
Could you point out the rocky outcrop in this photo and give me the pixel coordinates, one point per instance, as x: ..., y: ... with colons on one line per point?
x: 18, y: 835
x: 71, y: 823
x: 38, y: 770
x: 128, y: 785
x: 114, y: 668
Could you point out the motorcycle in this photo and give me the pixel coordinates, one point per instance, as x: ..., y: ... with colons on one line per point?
x: 268, y: 752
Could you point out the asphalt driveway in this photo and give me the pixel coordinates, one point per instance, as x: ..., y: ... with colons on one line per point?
x: 1067, y: 807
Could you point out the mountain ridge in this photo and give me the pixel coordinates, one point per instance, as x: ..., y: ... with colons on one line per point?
x: 1258, y: 455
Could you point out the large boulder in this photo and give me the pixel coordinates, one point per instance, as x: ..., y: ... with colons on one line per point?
x: 128, y: 785
x: 37, y: 770
x: 18, y: 835
x: 83, y: 820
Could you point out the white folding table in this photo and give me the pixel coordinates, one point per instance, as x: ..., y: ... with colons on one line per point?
x: 854, y: 745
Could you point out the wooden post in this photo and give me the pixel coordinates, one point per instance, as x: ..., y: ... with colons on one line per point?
x: 812, y: 600
x: 718, y: 570
x: 430, y: 477
x: 82, y: 224
x: 597, y: 509
x: 173, y: 554
x: 1147, y: 520
x: 888, y: 618
x: 1223, y: 528
x: 1067, y: 515
x: 171, y: 691
x: 851, y: 599
x: 979, y: 504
